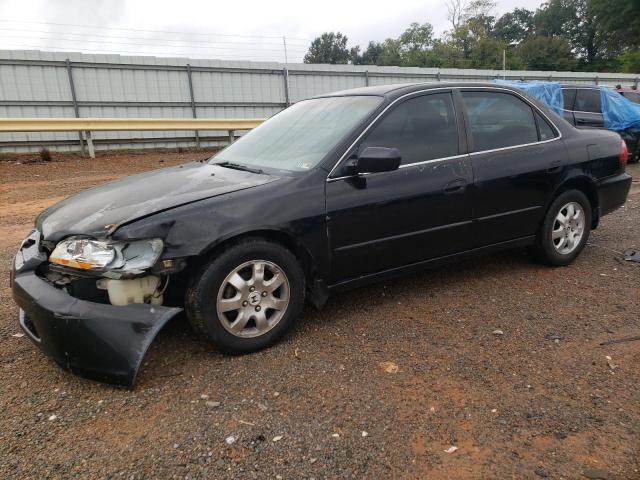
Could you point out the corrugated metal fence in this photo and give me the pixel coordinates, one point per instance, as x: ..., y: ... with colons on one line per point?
x: 54, y: 84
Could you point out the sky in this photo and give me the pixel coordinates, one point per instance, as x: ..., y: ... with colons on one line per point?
x: 244, y: 30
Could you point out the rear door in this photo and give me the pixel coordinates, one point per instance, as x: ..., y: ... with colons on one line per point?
x: 420, y: 211
x: 587, y: 109
x: 517, y: 163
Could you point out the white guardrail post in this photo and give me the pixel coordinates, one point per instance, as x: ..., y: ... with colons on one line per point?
x: 74, y: 99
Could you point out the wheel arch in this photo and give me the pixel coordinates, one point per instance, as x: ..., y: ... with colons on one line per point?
x: 278, y: 236
x: 587, y: 186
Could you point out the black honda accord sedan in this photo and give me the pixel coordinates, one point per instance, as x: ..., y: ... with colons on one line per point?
x: 332, y: 192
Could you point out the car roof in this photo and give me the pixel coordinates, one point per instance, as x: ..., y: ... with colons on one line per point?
x: 583, y: 86
x: 395, y: 90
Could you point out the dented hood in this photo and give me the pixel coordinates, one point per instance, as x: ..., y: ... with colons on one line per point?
x: 99, y: 210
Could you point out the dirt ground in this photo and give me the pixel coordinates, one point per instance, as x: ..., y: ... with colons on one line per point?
x: 382, y: 383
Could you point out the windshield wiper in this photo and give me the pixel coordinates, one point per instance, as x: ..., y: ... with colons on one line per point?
x: 239, y: 166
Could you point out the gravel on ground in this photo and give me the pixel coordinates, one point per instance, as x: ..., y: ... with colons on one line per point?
x: 490, y: 368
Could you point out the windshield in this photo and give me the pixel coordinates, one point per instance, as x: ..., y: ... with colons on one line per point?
x: 297, y: 138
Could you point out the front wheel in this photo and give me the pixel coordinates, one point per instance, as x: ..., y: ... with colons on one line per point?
x: 565, y: 229
x: 247, y: 297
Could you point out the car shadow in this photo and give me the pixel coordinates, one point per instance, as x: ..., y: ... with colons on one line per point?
x: 177, y: 344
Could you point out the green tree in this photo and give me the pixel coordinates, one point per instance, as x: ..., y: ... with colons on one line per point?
x: 329, y: 47
x: 390, y: 53
x: 486, y: 53
x: 552, y: 17
x: 514, y: 27
x: 445, y: 54
x: 415, y: 43
x: 478, y: 9
x: 371, y: 55
x: 475, y: 25
x: 575, y: 21
x: 561, y: 35
x: 630, y: 61
x: 354, y: 55
x: 546, y: 53
x: 619, y: 17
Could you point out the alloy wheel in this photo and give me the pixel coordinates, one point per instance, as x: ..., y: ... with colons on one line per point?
x: 253, y: 298
x: 568, y: 228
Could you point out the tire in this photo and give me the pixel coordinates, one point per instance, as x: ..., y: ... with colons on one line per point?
x: 560, y: 251
x: 256, y: 313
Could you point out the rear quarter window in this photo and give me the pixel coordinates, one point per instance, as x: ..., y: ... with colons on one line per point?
x: 544, y: 129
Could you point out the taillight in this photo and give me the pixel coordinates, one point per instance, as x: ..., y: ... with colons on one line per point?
x: 624, y: 153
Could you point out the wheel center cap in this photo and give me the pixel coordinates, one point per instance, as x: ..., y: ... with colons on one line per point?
x: 254, y: 298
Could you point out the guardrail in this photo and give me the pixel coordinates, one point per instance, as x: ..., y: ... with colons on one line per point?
x: 44, y: 84
x: 123, y: 124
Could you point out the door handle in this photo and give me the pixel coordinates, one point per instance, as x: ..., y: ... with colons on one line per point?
x: 455, y: 186
x: 554, y: 167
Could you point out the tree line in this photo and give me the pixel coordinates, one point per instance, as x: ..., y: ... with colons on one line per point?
x: 579, y: 35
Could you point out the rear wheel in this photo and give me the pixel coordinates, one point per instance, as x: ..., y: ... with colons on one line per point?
x: 565, y: 229
x: 247, y: 297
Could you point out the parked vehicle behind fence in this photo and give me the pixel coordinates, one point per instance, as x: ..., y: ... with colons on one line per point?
x: 630, y: 94
x: 583, y: 109
x: 334, y: 192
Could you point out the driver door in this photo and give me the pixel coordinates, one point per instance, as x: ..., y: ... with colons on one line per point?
x: 421, y: 211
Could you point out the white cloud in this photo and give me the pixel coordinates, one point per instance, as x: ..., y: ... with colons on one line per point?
x: 250, y: 29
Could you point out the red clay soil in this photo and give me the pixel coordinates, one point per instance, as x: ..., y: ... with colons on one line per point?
x: 382, y: 383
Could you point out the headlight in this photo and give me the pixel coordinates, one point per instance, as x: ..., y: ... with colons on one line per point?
x: 92, y: 254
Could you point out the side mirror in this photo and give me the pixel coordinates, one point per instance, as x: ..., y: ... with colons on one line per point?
x: 376, y: 159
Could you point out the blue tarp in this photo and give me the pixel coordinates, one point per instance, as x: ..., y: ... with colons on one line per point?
x: 619, y: 113
x: 549, y: 93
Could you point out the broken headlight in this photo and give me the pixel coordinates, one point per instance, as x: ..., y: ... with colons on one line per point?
x: 92, y: 254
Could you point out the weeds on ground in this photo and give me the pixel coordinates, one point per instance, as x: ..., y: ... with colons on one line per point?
x: 45, y: 155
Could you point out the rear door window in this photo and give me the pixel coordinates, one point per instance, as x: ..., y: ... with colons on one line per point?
x: 587, y: 100
x: 499, y: 120
x: 421, y: 128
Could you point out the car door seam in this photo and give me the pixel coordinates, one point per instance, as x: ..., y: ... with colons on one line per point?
x: 510, y: 212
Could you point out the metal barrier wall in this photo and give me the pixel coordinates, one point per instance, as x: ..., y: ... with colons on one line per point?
x: 74, y: 85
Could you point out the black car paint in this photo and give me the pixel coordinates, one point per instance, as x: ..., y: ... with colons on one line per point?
x: 346, y: 229
x: 101, y: 209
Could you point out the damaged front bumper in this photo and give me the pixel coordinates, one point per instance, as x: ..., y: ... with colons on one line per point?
x: 98, y: 341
